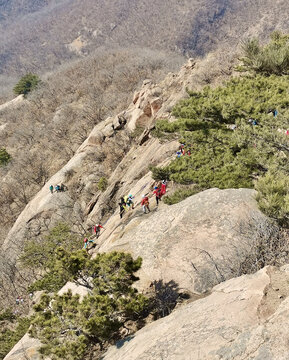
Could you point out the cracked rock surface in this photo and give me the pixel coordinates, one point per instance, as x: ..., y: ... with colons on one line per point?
x: 225, y: 325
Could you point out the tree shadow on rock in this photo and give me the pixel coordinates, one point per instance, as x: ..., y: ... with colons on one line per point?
x: 120, y: 343
x: 166, y: 295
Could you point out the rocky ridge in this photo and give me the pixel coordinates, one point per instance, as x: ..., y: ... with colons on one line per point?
x: 195, y: 244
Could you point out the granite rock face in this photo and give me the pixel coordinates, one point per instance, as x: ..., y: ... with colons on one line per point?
x: 197, y: 243
x: 243, y: 318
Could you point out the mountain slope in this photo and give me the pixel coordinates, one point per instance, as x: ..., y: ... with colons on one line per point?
x: 44, y: 35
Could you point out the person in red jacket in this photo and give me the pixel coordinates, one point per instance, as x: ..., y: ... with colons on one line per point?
x: 96, y: 229
x: 157, y: 192
x: 163, y: 187
x: 145, y: 204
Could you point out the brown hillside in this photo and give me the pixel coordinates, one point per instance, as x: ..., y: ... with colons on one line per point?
x: 43, y: 35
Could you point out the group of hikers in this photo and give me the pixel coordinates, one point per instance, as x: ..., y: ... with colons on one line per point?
x: 20, y: 300
x: 126, y: 202
x: 182, y: 151
x: 57, y: 188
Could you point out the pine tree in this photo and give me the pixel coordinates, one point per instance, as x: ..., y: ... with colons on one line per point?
x: 26, y: 84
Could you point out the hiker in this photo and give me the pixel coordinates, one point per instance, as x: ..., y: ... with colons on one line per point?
x: 122, y: 207
x: 130, y: 202
x: 86, y: 242
x: 51, y: 189
x: 57, y: 188
x: 189, y: 152
x: 62, y: 187
x: 273, y: 111
x: 145, y: 204
x: 252, y: 122
x: 163, y: 187
x: 178, y: 153
x: 157, y: 192
x: 17, y: 301
x: 182, y: 149
x: 97, y: 228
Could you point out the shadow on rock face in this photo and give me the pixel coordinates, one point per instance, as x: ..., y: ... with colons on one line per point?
x: 120, y: 343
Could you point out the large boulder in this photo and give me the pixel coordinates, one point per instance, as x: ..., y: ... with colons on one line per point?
x: 243, y: 318
x: 197, y: 243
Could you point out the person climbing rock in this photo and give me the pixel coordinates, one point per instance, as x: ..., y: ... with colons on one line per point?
x: 163, y: 187
x: 130, y: 202
x: 51, y: 189
x: 96, y: 229
x: 122, y: 207
x: 145, y: 204
x: 86, y: 243
x: 157, y: 192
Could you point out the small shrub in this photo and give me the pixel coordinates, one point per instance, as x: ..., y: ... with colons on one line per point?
x: 4, y: 157
x: 102, y: 184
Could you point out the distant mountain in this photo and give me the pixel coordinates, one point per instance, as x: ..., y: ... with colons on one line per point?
x: 15, y: 8
x: 38, y: 35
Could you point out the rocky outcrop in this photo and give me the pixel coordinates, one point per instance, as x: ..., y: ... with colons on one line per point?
x: 25, y: 349
x: 197, y: 243
x: 12, y: 103
x: 243, y: 318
